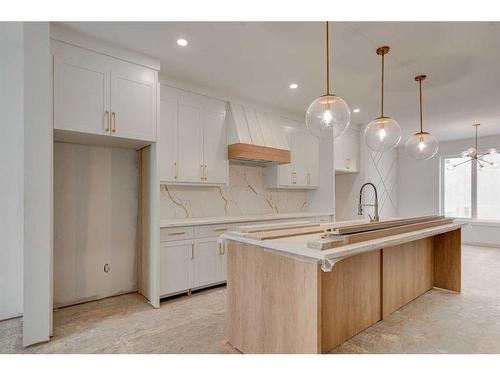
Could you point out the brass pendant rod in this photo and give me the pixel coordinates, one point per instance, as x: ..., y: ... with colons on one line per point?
x: 382, y: 101
x: 421, y: 109
x: 475, y: 145
x: 327, y: 59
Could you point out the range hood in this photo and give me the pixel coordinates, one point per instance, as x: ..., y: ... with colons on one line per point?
x: 256, y: 136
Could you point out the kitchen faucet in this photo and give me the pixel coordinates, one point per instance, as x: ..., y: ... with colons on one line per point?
x: 360, y: 205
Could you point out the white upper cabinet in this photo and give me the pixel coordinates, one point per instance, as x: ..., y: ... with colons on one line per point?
x: 99, y: 95
x: 215, y: 141
x: 193, y: 142
x: 346, y: 152
x: 303, y: 170
x: 133, y: 101
x: 189, y: 137
x: 81, y: 91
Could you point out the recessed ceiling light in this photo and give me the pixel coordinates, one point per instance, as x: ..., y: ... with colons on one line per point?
x: 356, y: 110
x: 182, y: 42
x: 293, y: 85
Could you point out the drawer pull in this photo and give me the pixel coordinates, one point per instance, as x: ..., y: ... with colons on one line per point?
x: 220, y: 230
x: 192, y: 251
x: 176, y: 233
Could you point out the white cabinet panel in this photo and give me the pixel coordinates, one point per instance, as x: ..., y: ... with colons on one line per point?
x: 215, y: 141
x: 303, y: 170
x: 346, y: 152
x: 133, y: 98
x: 175, y: 266
x: 190, y: 141
x: 312, y: 160
x: 81, y: 91
x: 207, y: 262
x: 193, y: 138
x: 168, y: 137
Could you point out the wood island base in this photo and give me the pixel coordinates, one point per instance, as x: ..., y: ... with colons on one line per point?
x: 281, y: 304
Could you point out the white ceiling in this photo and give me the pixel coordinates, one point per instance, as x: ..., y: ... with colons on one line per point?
x: 258, y: 60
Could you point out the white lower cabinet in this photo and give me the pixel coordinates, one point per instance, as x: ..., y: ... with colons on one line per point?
x: 176, y: 271
x: 208, y: 263
x: 190, y: 264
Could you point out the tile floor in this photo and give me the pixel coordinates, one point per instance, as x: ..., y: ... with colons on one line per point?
x: 437, y: 322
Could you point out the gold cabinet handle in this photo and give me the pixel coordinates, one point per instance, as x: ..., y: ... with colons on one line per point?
x: 106, y: 120
x: 223, y: 247
x: 176, y: 233
x: 192, y: 251
x: 206, y: 172
x: 220, y: 230
x: 220, y: 248
x: 113, y: 122
x: 202, y: 172
x: 176, y: 171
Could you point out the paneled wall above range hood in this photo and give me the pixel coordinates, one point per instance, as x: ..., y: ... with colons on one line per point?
x: 256, y: 135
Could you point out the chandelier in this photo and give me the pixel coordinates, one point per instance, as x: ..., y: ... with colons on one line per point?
x: 474, y: 155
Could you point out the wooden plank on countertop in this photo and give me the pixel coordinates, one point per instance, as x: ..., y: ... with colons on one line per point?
x: 383, y: 224
x: 330, y: 243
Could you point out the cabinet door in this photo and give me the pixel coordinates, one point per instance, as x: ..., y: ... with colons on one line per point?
x: 81, y: 90
x: 312, y: 160
x: 175, y: 266
x: 207, y: 263
x: 346, y: 151
x: 299, y: 158
x: 285, y: 171
x: 215, y: 141
x: 133, y: 101
x: 190, y: 139
x: 167, y: 137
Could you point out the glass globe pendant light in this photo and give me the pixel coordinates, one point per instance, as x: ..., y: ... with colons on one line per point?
x: 329, y: 114
x: 383, y: 133
x: 422, y: 145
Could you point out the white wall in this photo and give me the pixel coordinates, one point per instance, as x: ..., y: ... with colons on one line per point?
x: 419, y: 189
x: 11, y: 168
x: 379, y: 168
x: 37, y: 259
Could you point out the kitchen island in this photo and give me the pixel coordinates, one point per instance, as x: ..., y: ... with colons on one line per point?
x: 283, y: 296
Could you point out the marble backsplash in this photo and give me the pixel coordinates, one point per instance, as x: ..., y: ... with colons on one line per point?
x: 246, y: 194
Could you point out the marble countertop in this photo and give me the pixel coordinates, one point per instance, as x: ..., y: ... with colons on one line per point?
x: 297, y: 246
x: 170, y: 223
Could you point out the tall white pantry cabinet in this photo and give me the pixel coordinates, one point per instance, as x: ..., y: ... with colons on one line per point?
x: 103, y: 95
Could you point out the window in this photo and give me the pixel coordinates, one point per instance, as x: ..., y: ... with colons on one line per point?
x: 468, y: 192
x: 488, y: 192
x: 457, y: 188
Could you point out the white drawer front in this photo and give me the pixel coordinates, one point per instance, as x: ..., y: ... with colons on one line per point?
x: 174, y: 234
x: 324, y: 219
x: 212, y: 230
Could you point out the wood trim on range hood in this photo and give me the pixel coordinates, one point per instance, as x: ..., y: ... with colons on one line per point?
x: 262, y: 154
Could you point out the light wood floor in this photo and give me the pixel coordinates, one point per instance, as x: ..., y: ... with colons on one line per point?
x: 437, y: 322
